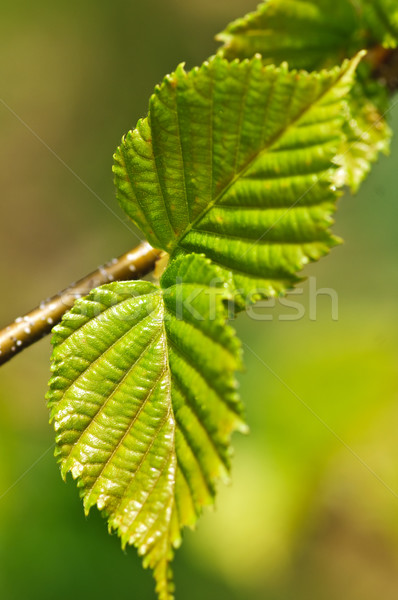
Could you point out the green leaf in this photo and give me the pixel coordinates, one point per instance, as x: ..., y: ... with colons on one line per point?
x: 381, y: 19
x: 308, y: 34
x: 143, y: 399
x: 367, y: 135
x: 236, y: 161
x: 313, y: 34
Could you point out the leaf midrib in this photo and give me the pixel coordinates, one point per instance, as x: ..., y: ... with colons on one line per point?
x: 251, y: 161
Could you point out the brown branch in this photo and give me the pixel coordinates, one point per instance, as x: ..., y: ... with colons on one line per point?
x: 36, y: 324
x: 384, y: 66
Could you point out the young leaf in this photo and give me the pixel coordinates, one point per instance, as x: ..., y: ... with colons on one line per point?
x: 301, y: 32
x: 313, y: 34
x: 381, y: 19
x: 143, y: 399
x: 367, y: 135
x: 236, y: 161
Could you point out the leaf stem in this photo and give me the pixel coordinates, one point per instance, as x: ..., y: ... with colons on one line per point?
x: 36, y: 324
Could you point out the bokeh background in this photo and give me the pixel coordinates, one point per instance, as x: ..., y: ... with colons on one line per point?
x: 313, y: 508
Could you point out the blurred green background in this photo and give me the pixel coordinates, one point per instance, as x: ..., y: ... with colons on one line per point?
x: 312, y: 512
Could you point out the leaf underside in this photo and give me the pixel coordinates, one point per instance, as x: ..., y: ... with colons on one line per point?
x: 310, y: 34
x: 305, y: 33
x: 381, y: 19
x: 236, y: 160
x: 143, y: 399
x: 314, y: 34
x: 367, y: 135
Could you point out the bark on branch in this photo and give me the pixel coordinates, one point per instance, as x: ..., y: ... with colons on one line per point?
x: 36, y: 324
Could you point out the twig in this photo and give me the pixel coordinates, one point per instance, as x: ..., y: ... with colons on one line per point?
x: 384, y: 66
x: 36, y: 324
